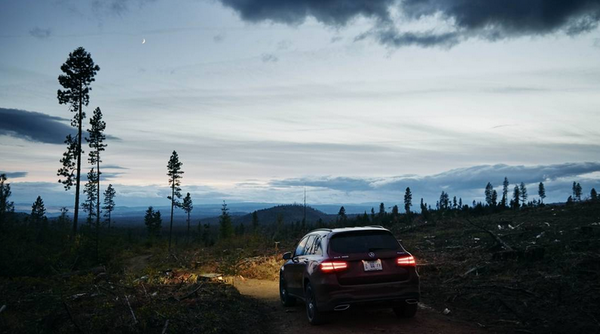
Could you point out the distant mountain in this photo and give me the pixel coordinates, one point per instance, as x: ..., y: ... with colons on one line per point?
x: 291, y: 213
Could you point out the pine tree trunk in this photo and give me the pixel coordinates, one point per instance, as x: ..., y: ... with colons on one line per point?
x: 172, y: 203
x: 97, y: 203
x: 80, y: 121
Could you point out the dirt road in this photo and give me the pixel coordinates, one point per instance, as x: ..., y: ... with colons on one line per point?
x: 293, y: 319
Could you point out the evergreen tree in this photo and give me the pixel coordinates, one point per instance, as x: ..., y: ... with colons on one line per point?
x: 505, y: 185
x: 109, y: 202
x: 494, y: 198
x: 395, y: 213
x: 444, y: 201
x: 488, y: 194
x: 225, y: 224
x: 96, y: 143
x: 174, y: 172
x: 89, y: 205
x: 372, y: 215
x: 454, y: 203
x: 381, y: 214
x: 407, y: 200
x: 593, y: 194
x: 541, y: 192
x: 578, y: 192
x: 460, y: 205
x: 523, y: 193
x: 341, y: 218
x: 5, y: 205
x: 516, y: 197
x: 423, y: 206
x: 188, y: 206
x: 255, y: 222
x: 79, y: 71
x: 153, y: 221
x: 38, y: 212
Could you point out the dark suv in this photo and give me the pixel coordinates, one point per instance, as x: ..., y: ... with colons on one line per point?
x: 334, y: 269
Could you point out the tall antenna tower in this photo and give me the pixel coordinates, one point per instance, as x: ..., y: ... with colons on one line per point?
x: 304, y: 219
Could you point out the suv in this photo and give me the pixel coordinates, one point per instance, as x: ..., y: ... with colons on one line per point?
x: 334, y: 269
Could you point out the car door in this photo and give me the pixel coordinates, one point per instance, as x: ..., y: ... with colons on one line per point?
x: 293, y: 270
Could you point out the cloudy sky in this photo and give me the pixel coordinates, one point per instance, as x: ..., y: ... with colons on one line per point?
x: 353, y: 99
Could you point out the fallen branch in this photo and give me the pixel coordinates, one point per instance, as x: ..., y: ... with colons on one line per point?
x: 191, y: 293
x: 165, y: 327
x: 497, y: 238
x: 130, y: 309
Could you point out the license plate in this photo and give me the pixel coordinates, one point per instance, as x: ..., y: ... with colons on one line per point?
x: 372, y: 265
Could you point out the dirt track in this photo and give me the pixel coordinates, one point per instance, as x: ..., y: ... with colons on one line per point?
x: 293, y: 319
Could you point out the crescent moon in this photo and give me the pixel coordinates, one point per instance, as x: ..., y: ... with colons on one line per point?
x: 143, y: 41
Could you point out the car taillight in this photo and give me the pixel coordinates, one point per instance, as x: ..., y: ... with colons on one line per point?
x: 406, y: 261
x: 333, y: 266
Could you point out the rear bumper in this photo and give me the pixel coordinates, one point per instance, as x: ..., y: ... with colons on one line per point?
x: 330, y: 294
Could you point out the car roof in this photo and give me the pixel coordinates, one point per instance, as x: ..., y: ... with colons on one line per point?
x: 348, y: 229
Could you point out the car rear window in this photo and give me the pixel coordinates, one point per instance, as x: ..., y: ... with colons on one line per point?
x: 363, y: 242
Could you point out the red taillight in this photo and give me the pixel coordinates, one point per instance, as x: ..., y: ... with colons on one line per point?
x: 408, y: 261
x: 332, y: 266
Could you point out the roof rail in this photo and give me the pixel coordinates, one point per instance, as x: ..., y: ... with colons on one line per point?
x: 378, y: 226
x: 322, y: 229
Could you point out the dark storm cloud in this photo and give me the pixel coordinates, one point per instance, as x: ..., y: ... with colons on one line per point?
x: 489, y: 20
x: 330, y: 12
x: 393, y: 38
x: 40, y: 33
x: 33, y: 126
x: 13, y: 175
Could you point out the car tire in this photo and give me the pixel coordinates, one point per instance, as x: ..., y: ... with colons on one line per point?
x: 406, y: 310
x: 315, y: 317
x: 286, y: 299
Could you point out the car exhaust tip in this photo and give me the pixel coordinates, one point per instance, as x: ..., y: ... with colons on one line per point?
x: 412, y: 301
x: 342, y: 307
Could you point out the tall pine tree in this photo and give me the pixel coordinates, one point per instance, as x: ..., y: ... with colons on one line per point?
x: 89, y: 205
x: 407, y: 200
x: 505, y: 184
x: 96, y: 143
x: 109, y: 202
x: 541, y: 192
x: 523, y: 193
x: 79, y: 72
x: 5, y: 205
x: 174, y: 172
x: 187, y: 207
x: 225, y: 223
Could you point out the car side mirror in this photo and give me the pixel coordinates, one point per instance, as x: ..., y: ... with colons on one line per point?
x: 287, y: 255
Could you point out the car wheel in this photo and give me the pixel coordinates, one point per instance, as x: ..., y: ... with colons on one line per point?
x: 312, y: 313
x: 406, y: 310
x: 286, y: 299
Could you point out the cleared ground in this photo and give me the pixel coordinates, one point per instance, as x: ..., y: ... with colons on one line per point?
x: 293, y: 319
